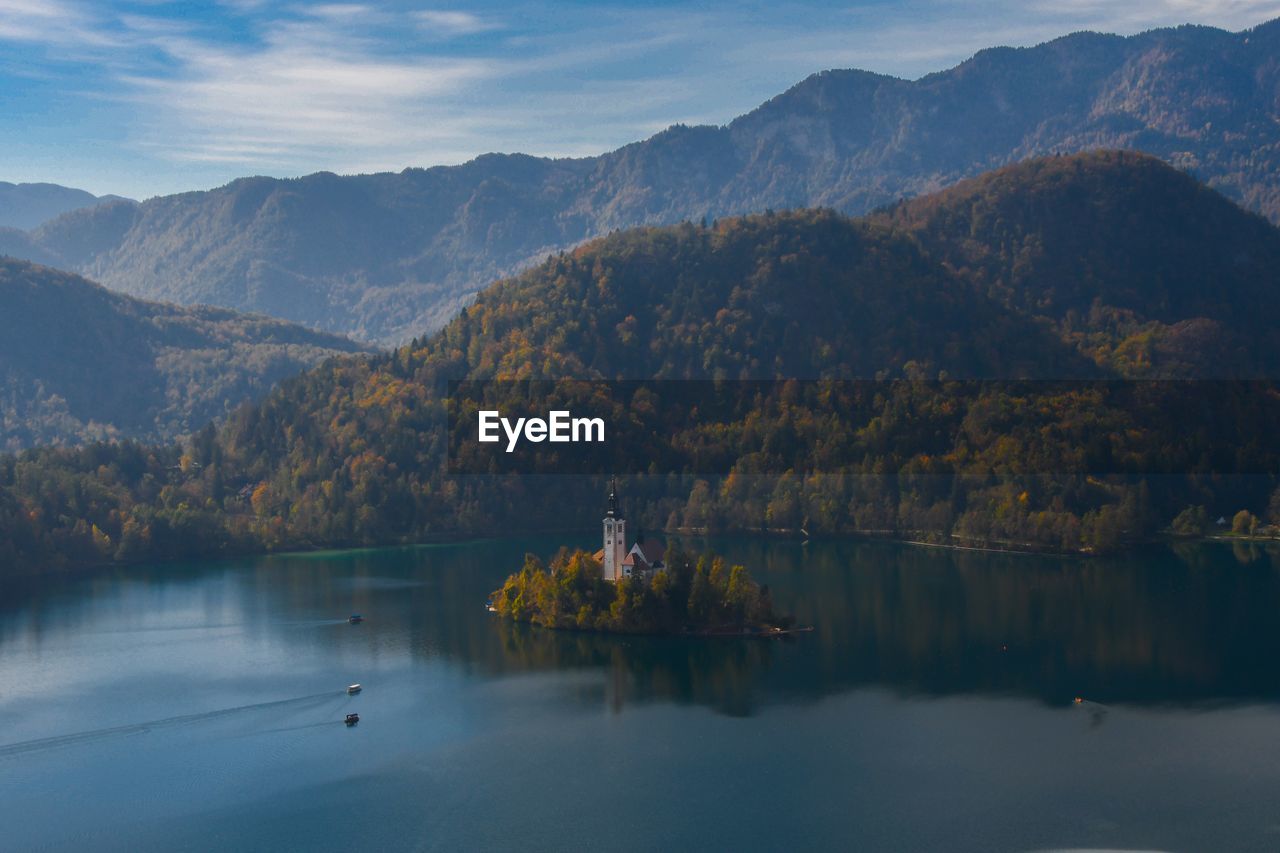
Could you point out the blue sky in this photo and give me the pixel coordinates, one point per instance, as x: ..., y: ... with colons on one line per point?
x: 141, y: 97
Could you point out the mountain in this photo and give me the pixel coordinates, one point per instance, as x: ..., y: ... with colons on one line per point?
x: 24, y: 206
x: 947, y: 401
x: 78, y: 362
x: 1146, y: 271
x: 388, y: 256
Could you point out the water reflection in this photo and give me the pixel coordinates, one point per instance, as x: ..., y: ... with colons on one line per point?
x: 1192, y: 624
x: 723, y: 674
x: 1187, y: 624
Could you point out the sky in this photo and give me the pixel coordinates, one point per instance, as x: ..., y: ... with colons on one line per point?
x: 147, y: 97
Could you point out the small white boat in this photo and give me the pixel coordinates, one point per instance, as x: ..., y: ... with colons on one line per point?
x: 354, y: 689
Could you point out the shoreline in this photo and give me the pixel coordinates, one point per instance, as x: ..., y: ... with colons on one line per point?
x: 772, y: 633
x: 1013, y: 548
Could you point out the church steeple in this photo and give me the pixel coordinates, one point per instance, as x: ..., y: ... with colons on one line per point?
x: 615, y: 536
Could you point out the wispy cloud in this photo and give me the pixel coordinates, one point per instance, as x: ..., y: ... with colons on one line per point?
x: 308, y: 88
x: 333, y: 87
x: 340, y: 11
x: 1133, y: 17
x: 446, y: 23
x: 287, y: 87
x: 54, y: 22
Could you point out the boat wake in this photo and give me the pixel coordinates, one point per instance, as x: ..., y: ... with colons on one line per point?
x: 42, y: 744
x: 313, y: 623
x: 323, y: 724
x: 150, y: 629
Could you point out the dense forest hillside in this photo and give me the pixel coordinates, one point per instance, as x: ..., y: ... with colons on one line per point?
x: 80, y: 363
x: 984, y: 420
x: 1145, y: 270
x: 25, y: 206
x: 388, y: 256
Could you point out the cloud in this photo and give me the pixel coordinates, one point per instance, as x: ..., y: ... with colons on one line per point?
x: 1134, y: 17
x: 447, y: 24
x: 53, y: 22
x: 287, y: 87
x: 342, y: 12
x: 338, y: 87
x: 309, y: 87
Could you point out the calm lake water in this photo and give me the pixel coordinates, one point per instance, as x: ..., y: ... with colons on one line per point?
x: 200, y: 707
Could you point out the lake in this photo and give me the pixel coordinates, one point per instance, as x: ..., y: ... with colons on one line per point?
x: 200, y: 707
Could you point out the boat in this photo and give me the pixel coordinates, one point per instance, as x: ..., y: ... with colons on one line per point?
x: 352, y: 719
x: 354, y: 618
x: 354, y: 689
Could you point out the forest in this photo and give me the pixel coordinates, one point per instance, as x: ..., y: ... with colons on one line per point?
x: 957, y: 380
x: 79, y: 363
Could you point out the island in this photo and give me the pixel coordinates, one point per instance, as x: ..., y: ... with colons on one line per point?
x: 696, y: 595
x: 647, y: 589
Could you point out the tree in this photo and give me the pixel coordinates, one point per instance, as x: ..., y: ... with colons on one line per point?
x: 700, y: 594
x: 1192, y: 521
x: 742, y: 594
x: 1244, y: 523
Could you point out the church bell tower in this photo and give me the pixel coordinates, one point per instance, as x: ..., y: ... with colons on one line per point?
x: 615, y: 536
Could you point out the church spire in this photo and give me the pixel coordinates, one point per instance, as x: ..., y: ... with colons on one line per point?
x: 615, y: 538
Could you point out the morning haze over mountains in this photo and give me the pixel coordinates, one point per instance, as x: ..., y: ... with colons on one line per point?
x: 386, y: 257
x: 27, y: 205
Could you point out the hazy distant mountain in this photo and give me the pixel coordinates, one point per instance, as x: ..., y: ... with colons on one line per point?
x: 27, y: 205
x: 78, y: 362
x: 386, y: 256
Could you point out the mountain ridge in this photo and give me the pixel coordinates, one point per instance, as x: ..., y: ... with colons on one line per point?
x: 80, y: 363
x: 385, y: 257
x: 25, y: 206
x: 1192, y: 297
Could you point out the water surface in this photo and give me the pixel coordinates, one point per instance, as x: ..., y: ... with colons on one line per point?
x: 200, y: 707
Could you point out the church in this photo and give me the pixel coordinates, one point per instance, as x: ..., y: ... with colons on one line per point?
x: 616, y: 562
